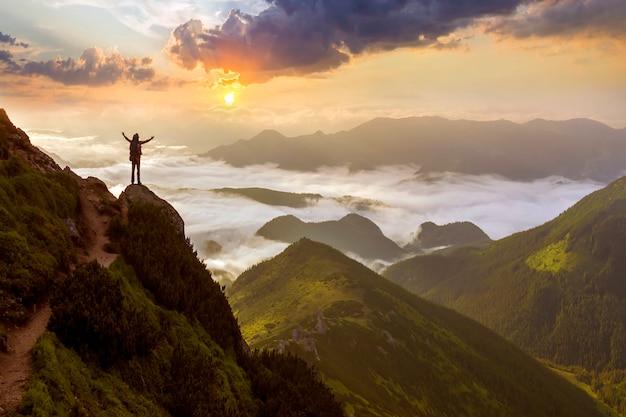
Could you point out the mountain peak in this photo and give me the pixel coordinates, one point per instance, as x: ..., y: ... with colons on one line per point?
x: 351, y: 234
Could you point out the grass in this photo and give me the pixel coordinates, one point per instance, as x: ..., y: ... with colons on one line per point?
x: 602, y: 407
x: 553, y: 258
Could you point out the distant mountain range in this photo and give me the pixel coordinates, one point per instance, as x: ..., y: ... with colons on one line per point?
x: 558, y: 290
x: 386, y: 352
x: 575, y: 149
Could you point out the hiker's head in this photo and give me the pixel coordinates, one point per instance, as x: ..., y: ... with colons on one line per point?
x: 136, y: 136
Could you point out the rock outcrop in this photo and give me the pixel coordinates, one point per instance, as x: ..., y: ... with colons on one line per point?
x: 137, y: 193
x: 14, y: 141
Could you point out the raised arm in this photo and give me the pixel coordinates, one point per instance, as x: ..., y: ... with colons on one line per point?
x: 125, y: 137
x: 146, y: 141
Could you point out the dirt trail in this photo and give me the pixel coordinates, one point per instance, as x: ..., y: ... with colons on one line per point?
x: 16, y: 365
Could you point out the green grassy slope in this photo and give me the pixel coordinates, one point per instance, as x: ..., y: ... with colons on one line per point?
x: 557, y: 290
x: 386, y: 352
x: 35, y: 242
x: 153, y: 335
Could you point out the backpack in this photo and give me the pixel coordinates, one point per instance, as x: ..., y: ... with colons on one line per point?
x: 135, y: 149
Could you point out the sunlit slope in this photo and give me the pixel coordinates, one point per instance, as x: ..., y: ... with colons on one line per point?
x: 387, y: 352
x: 557, y: 290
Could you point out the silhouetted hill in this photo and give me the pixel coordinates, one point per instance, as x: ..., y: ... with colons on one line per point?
x: 272, y: 197
x: 296, y: 200
x: 558, y: 290
x: 429, y: 235
x: 352, y: 233
x: 386, y: 352
x: 577, y: 148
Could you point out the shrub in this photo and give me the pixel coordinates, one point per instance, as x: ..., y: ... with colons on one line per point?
x: 89, y: 314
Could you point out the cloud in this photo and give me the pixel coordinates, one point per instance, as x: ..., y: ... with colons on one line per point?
x: 94, y: 68
x: 6, y: 56
x: 4, y: 38
x: 564, y: 17
x: 497, y: 205
x: 298, y: 37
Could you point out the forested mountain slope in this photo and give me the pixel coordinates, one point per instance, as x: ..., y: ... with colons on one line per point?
x: 558, y: 290
x: 386, y: 352
x: 152, y: 335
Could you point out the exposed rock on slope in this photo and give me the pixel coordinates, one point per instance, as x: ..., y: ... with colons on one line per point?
x: 141, y: 194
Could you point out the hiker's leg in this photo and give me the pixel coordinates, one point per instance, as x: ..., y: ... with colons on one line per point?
x: 132, y: 174
x: 138, y: 171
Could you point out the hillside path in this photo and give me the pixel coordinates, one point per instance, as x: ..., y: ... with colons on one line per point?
x: 16, y: 365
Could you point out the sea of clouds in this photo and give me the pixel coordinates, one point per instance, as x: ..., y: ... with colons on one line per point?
x: 397, y: 200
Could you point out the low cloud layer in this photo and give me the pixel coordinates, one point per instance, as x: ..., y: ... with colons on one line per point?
x: 499, y: 206
x: 296, y: 37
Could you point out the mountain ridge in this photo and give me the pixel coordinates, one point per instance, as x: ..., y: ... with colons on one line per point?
x: 575, y: 149
x: 385, y: 351
x: 556, y: 290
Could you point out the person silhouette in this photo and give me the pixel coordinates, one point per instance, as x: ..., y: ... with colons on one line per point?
x: 135, y: 155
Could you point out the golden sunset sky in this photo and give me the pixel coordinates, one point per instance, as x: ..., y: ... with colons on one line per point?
x: 76, y: 71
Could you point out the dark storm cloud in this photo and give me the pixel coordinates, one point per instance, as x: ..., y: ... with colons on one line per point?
x: 305, y: 36
x: 4, y: 38
x: 565, y: 17
x: 93, y: 68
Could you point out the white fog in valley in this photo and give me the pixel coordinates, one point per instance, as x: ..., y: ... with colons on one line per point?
x: 397, y: 200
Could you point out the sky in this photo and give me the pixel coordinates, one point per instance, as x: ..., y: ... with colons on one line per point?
x: 76, y: 73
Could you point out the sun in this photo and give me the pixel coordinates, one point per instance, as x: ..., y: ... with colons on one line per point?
x: 229, y: 98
